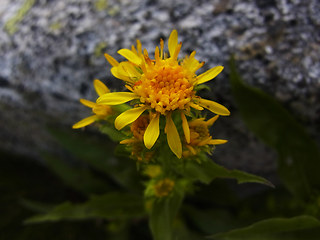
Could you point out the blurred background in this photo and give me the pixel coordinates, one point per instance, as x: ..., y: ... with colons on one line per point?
x: 52, y: 50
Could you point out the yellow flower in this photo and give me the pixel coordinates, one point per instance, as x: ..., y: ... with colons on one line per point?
x: 153, y: 171
x: 100, y: 110
x: 138, y: 128
x: 200, y: 136
x: 161, y: 85
x: 137, y: 150
x: 163, y: 187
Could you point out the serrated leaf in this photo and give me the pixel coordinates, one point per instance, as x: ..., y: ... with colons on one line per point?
x: 299, y: 156
x: 108, y: 206
x: 296, y: 228
x: 207, y: 171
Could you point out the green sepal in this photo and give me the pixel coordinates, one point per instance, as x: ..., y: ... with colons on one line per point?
x: 200, y: 87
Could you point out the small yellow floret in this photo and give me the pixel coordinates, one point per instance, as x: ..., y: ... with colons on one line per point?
x: 153, y: 171
x: 200, y: 136
x: 164, y: 187
x: 139, y: 126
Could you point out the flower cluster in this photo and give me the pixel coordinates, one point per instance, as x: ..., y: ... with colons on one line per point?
x: 165, y: 108
x: 164, y: 126
x: 163, y: 87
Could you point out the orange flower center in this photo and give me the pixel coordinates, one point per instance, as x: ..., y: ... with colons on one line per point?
x: 165, y: 87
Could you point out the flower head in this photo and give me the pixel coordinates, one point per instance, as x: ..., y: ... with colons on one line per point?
x: 163, y: 187
x: 100, y: 111
x: 152, y: 171
x: 138, y: 128
x: 200, y: 136
x: 162, y: 85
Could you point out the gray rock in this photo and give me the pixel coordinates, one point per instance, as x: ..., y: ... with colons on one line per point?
x: 51, y: 50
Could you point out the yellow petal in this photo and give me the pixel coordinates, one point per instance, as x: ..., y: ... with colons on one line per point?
x: 204, y: 142
x: 208, y: 75
x: 161, y: 48
x: 176, y: 52
x: 111, y: 60
x: 115, y: 72
x: 85, y: 122
x: 133, y: 49
x: 152, y: 132
x: 139, y: 47
x: 157, y: 55
x: 195, y: 106
x: 131, y: 56
x: 191, y: 149
x: 173, y: 137
x: 87, y: 103
x: 100, y: 87
x: 173, y: 42
x: 128, y: 117
x: 212, y: 120
x: 185, y: 127
x: 116, y: 98
x: 214, y: 107
x: 192, y: 64
x: 128, y: 69
x: 128, y: 141
x: 217, y: 141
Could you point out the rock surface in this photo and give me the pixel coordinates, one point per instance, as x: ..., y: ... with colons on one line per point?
x: 51, y: 50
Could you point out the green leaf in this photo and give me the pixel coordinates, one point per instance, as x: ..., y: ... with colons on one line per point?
x: 121, y: 107
x: 108, y: 206
x: 112, y: 133
x: 299, y: 156
x: 207, y: 171
x: 79, y: 178
x: 184, y: 232
x: 209, y: 220
x: 162, y: 214
x: 297, y: 228
x: 86, y: 147
x: 35, y: 206
x: 98, y: 153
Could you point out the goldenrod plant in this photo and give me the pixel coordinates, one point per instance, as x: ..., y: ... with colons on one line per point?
x: 152, y: 176
x: 159, y: 184
x: 163, y: 125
